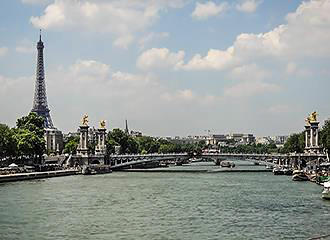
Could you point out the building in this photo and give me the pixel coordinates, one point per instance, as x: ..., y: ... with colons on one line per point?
x: 277, y: 140
x: 216, y: 139
x: 53, y: 137
x: 242, y: 138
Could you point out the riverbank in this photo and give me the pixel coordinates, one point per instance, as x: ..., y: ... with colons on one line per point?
x: 37, y: 175
x: 196, y: 170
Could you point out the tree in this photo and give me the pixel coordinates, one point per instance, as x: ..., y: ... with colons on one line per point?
x: 33, y: 123
x: 118, y: 137
x: 147, y: 144
x: 29, y: 135
x: 7, y: 142
x: 325, y: 135
x: 71, y: 145
x: 295, y: 143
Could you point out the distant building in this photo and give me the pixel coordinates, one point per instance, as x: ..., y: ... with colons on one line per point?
x: 186, y: 140
x: 277, y: 140
x: 242, y: 138
x: 216, y: 139
x: 136, y: 133
x: 280, y: 139
x: 54, y: 140
x: 263, y: 140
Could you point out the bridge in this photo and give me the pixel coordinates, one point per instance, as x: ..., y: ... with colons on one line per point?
x: 125, y: 161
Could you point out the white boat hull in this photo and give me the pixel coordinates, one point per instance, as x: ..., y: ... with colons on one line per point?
x: 326, y: 194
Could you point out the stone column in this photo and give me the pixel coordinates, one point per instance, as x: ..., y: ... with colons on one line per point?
x: 83, y: 145
x: 100, y: 147
x: 54, y: 141
x: 307, y: 134
x: 314, y: 137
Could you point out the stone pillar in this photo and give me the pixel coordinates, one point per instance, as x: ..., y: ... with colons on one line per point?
x: 312, y: 137
x: 83, y: 144
x: 100, y: 148
x: 307, y: 139
x: 54, y: 141
x: 314, y: 134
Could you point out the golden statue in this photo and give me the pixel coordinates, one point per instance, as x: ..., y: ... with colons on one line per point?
x: 312, y: 117
x: 102, y: 124
x: 84, y: 120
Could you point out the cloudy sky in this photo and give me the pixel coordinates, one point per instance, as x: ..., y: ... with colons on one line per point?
x: 171, y: 67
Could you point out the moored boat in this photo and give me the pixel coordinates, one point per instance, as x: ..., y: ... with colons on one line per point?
x: 227, y: 164
x: 278, y: 171
x: 269, y: 167
x: 299, y: 175
x: 287, y: 171
x: 326, y: 191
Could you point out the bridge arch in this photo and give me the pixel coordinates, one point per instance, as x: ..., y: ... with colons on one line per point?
x: 95, y: 161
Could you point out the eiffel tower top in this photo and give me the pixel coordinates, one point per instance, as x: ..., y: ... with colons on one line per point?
x: 40, y: 105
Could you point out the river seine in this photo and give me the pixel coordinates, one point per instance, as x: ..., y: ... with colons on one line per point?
x: 128, y: 205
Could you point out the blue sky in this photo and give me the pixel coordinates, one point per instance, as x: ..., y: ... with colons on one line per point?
x: 171, y: 67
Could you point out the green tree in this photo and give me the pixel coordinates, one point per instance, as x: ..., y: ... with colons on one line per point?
x: 295, y: 143
x: 325, y: 135
x: 71, y: 144
x: 147, y: 144
x: 118, y: 137
x: 29, y: 135
x: 7, y: 142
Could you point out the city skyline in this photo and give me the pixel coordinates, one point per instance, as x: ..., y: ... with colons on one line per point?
x: 265, y: 64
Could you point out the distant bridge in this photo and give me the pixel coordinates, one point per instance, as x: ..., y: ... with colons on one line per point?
x: 124, y: 161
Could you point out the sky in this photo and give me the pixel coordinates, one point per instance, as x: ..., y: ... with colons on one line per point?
x: 170, y: 67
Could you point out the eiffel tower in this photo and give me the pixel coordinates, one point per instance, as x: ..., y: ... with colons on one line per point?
x: 40, y: 105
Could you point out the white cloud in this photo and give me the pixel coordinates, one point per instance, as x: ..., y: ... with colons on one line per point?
x: 123, y: 41
x: 160, y: 58
x: 89, y: 70
x: 284, y: 43
x: 214, y: 60
x: 152, y: 36
x: 208, y: 9
x: 249, y: 72
x: 188, y: 96
x: 123, y: 19
x: 248, y: 6
x: 3, y: 51
x: 250, y: 88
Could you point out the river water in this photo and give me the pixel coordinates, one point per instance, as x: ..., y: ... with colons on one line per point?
x: 128, y: 205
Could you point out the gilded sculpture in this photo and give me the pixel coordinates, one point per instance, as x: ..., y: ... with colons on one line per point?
x: 102, y: 124
x: 312, y: 117
x: 84, y: 120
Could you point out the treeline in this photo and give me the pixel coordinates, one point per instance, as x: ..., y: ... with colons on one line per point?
x: 119, y: 142
x: 250, y: 148
x: 145, y: 144
x: 26, y: 140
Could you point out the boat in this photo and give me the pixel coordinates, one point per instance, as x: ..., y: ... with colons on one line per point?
x: 299, y: 175
x: 269, y: 167
x: 86, y: 170
x: 287, y: 171
x: 95, y: 169
x: 326, y: 191
x: 227, y: 164
x: 278, y: 171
